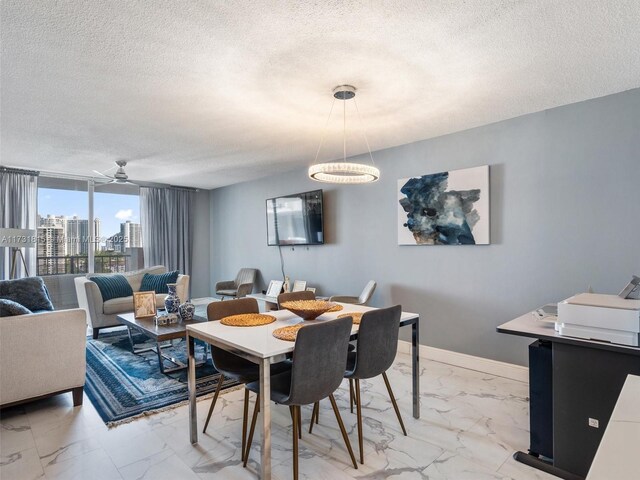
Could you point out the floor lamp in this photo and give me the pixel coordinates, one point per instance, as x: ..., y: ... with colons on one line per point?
x: 16, y: 239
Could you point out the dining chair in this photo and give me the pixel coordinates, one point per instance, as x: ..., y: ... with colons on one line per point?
x: 232, y: 366
x: 319, y: 358
x: 293, y: 296
x: 376, y: 349
x: 361, y: 299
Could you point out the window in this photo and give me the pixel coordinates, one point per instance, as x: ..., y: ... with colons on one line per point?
x: 67, y: 237
x: 63, y: 230
x: 117, y: 220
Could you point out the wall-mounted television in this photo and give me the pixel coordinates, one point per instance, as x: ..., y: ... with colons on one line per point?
x: 295, y: 219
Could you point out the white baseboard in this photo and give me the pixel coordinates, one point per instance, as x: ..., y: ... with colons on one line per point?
x: 479, y: 364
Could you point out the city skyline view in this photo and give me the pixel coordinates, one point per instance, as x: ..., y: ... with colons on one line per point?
x: 112, y: 209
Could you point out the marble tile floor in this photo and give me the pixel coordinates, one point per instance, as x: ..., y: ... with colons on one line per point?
x: 471, y: 424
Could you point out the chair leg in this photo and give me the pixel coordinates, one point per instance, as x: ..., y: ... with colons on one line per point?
x: 299, y: 422
x: 393, y: 401
x: 351, y: 394
x: 295, y: 414
x: 256, y: 409
x: 245, y: 415
x: 95, y: 333
x: 359, y: 414
x: 345, y: 437
x: 316, y: 407
x: 213, y: 402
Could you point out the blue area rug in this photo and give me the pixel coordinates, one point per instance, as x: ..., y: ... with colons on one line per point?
x: 122, y: 385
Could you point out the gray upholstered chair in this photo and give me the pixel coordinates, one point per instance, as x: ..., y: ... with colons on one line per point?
x: 364, y: 297
x: 319, y: 358
x: 377, y: 347
x: 293, y: 296
x: 232, y: 366
x: 240, y: 287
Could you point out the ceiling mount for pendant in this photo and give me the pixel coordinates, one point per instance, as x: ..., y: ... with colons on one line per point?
x: 344, y: 92
x: 344, y: 172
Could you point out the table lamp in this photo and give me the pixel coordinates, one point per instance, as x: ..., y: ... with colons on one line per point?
x: 17, y: 239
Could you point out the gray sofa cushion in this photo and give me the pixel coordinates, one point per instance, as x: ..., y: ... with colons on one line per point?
x: 227, y: 293
x: 29, y: 292
x: 9, y: 308
x: 125, y: 304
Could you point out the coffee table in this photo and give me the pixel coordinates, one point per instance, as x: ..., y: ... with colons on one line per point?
x: 163, y: 333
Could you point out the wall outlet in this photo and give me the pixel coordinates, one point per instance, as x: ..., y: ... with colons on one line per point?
x: 593, y: 422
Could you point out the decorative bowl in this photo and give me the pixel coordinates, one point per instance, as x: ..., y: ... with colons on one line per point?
x: 308, y: 309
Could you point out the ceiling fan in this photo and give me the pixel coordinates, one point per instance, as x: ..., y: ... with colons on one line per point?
x: 120, y: 177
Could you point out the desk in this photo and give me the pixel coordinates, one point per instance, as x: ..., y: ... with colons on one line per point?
x: 258, y: 345
x: 617, y: 455
x: 587, y: 377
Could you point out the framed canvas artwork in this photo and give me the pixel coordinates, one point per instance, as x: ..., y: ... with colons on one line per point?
x: 446, y: 208
x: 275, y: 287
x: 144, y: 304
x: 299, y: 286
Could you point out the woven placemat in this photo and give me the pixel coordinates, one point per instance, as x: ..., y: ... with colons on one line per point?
x: 248, y: 320
x: 337, y: 308
x: 288, y: 333
x: 356, y: 316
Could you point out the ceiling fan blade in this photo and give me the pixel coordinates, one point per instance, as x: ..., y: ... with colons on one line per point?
x: 102, y: 174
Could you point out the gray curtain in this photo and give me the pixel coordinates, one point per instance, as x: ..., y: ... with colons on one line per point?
x: 19, y: 209
x: 167, y: 227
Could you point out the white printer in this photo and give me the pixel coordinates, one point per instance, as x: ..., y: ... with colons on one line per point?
x: 601, y: 317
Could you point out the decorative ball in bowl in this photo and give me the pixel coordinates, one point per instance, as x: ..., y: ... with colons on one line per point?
x: 308, y: 309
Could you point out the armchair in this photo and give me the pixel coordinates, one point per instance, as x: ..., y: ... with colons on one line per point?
x: 240, y: 287
x: 364, y: 297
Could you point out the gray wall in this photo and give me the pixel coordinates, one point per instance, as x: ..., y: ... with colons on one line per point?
x: 565, y: 189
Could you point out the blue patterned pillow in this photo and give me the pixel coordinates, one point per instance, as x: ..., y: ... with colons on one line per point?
x: 9, y: 308
x: 158, y: 283
x: 112, y: 286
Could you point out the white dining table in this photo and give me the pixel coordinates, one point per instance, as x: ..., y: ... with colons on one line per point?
x: 258, y: 345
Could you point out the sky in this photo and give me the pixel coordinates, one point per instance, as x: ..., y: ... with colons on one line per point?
x: 112, y: 209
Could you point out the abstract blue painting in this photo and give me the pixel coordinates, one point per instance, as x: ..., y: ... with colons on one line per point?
x: 446, y: 208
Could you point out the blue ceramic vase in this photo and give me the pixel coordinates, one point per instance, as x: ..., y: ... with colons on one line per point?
x: 187, y: 309
x: 171, y: 301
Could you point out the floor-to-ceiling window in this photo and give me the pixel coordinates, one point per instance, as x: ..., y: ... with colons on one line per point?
x: 70, y: 233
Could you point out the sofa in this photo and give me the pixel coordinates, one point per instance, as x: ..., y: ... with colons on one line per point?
x: 41, y: 353
x: 103, y: 314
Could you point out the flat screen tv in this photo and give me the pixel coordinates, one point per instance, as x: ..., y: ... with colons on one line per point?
x: 295, y: 219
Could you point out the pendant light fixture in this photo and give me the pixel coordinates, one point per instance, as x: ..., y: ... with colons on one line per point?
x: 344, y: 172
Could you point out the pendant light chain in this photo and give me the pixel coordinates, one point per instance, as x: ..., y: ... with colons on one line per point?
x: 324, y: 132
x: 364, y: 131
x: 344, y: 130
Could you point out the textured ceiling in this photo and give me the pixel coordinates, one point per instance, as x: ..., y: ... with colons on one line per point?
x: 207, y: 94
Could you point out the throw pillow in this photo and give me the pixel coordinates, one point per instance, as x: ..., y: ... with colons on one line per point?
x: 158, y: 283
x: 112, y: 286
x: 9, y: 308
x: 29, y: 292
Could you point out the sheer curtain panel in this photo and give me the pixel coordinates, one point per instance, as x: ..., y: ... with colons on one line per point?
x: 19, y: 209
x: 167, y: 227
